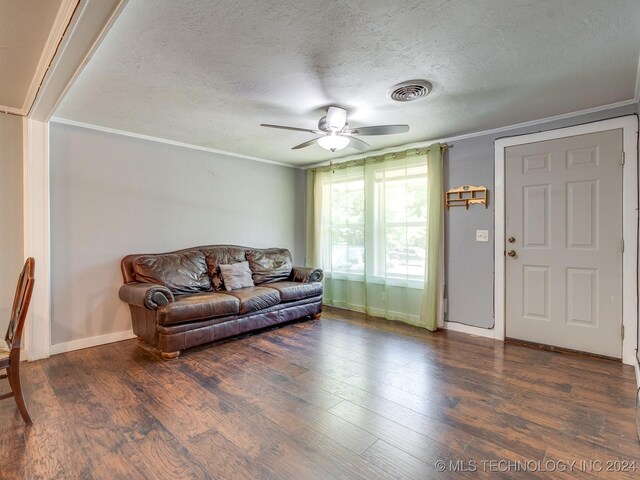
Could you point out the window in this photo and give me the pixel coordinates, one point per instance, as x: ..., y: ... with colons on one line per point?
x: 343, y: 223
x: 400, y: 199
x: 374, y: 220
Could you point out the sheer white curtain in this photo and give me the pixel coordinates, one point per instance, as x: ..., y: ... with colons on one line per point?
x: 368, y: 223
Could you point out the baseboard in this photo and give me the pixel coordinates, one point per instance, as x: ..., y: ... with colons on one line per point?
x: 378, y: 312
x: 90, y: 342
x: 637, y: 367
x: 478, y: 331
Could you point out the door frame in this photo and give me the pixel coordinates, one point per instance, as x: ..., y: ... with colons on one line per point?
x: 629, y: 126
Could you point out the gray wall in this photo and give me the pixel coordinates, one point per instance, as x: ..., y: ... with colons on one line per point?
x: 11, y: 225
x: 113, y: 195
x: 469, y: 264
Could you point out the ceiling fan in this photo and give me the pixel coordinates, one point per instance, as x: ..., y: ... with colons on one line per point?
x: 336, y: 134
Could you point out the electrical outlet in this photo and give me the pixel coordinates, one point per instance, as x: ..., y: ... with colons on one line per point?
x: 482, y: 235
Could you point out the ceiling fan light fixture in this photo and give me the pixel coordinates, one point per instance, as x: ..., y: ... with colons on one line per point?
x: 333, y: 142
x: 336, y: 133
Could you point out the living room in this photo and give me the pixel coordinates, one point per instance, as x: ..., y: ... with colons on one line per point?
x: 138, y: 131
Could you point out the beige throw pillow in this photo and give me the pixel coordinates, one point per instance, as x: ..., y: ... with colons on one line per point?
x: 236, y: 275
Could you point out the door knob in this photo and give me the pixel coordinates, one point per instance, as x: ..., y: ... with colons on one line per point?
x: 512, y: 239
x: 511, y: 253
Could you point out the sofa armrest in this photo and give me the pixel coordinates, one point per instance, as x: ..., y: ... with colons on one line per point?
x: 306, y: 275
x: 147, y: 295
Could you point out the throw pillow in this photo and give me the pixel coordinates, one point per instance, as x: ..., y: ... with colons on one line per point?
x: 236, y: 275
x: 222, y: 255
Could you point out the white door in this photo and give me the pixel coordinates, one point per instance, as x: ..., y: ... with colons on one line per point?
x: 563, y: 225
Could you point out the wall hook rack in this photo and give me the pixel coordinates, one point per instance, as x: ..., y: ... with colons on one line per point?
x: 466, y: 195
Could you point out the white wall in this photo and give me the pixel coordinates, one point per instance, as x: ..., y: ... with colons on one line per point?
x: 113, y: 195
x: 11, y: 203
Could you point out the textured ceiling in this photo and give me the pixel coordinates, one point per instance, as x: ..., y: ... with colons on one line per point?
x: 24, y: 29
x: 208, y: 72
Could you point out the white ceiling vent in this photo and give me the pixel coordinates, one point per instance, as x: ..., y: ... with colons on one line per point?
x: 409, y: 91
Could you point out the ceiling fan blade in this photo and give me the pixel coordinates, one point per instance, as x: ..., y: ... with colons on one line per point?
x: 305, y: 144
x: 295, y: 129
x: 380, y: 130
x: 336, y: 118
x: 358, y: 144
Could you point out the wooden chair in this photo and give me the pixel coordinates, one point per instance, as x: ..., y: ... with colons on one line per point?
x: 10, y: 355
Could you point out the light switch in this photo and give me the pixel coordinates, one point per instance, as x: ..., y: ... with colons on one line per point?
x: 482, y: 235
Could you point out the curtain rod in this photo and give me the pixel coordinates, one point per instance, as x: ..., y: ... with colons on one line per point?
x: 378, y: 158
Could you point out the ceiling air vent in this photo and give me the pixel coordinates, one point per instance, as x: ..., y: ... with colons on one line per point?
x: 409, y: 91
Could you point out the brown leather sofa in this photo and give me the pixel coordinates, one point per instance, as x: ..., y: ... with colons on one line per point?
x: 178, y: 299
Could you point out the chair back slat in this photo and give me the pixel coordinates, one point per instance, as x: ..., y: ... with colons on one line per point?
x: 21, y: 302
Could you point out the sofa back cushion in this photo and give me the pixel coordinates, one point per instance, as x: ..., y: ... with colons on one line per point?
x: 182, y: 273
x: 269, y: 265
x: 222, y: 255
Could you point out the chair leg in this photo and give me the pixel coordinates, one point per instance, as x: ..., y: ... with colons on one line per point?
x: 16, y: 387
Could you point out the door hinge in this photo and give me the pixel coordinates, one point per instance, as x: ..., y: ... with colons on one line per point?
x: 622, y: 245
x: 622, y: 332
x: 622, y: 159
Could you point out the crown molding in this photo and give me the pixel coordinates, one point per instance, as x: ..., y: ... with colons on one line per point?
x: 139, y: 136
x: 56, y: 35
x: 384, y: 151
x: 506, y: 128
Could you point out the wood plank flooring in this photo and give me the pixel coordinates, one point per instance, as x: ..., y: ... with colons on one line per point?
x: 345, y: 396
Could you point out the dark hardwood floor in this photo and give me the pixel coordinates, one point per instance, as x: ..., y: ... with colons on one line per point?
x: 345, y: 396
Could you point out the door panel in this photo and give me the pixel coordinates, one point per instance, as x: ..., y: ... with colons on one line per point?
x: 536, y: 292
x: 582, y: 296
x: 536, y: 216
x: 564, y: 208
x: 582, y: 210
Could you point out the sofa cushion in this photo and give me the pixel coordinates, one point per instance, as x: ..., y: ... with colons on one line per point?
x: 182, y: 273
x: 269, y: 265
x: 236, y: 275
x: 198, y: 306
x: 290, y: 291
x: 255, y: 298
x: 224, y: 255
